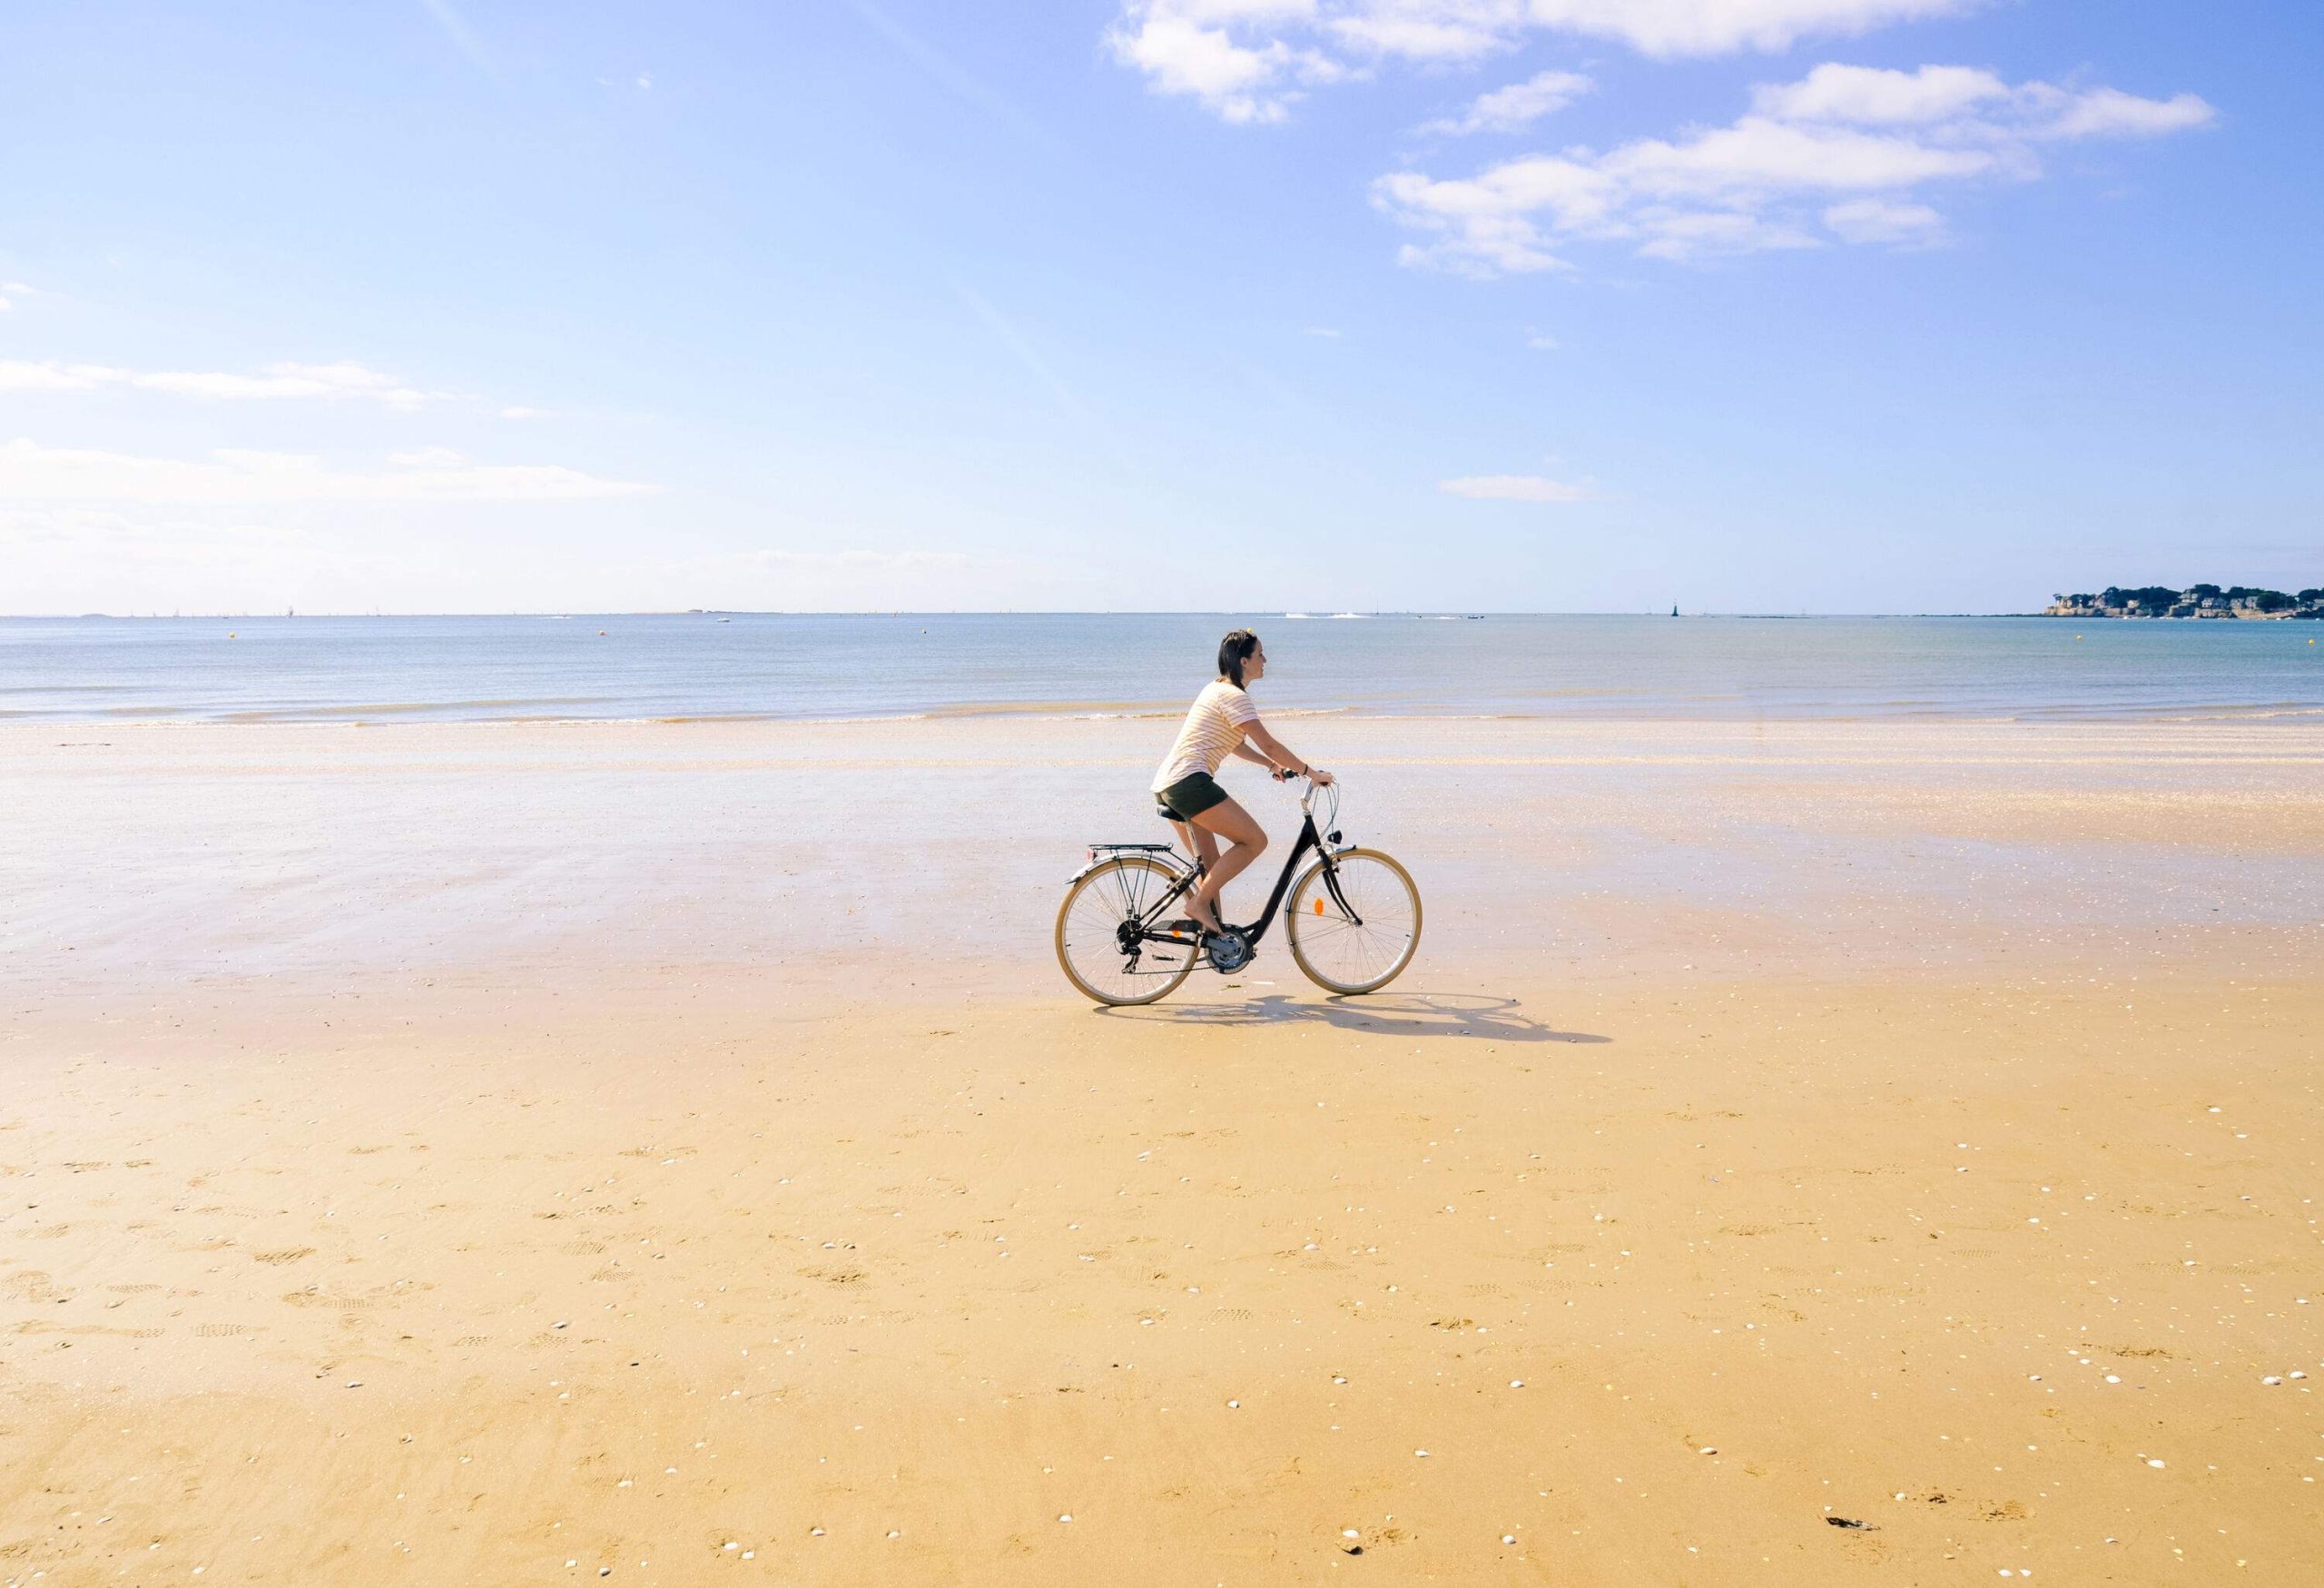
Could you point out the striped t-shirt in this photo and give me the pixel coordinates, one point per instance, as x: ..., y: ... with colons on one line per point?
x: 1216, y: 724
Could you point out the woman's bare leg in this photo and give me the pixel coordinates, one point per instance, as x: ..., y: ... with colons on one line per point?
x: 1204, y: 847
x: 1231, y: 822
x: 1191, y: 838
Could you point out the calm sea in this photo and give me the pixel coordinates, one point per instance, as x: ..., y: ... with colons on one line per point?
x: 328, y: 669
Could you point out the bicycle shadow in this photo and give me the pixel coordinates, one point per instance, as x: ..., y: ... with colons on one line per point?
x: 1407, y: 1014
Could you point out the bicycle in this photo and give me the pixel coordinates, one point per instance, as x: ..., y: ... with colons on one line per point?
x: 1354, y: 923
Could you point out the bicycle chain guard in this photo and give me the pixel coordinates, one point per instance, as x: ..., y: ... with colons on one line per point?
x: 1230, y: 952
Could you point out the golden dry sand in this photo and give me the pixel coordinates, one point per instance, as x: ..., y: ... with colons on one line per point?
x: 1974, y: 1211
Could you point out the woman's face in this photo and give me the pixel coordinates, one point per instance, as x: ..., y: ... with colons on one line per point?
x: 1255, y: 666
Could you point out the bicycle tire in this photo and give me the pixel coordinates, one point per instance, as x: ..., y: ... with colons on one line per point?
x: 1337, y: 953
x: 1089, y: 951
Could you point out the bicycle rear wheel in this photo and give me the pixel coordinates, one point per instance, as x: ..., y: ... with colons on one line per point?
x: 1090, y: 929
x: 1360, y: 938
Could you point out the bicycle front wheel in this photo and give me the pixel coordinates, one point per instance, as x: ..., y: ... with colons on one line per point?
x: 1356, y: 937
x: 1101, y: 912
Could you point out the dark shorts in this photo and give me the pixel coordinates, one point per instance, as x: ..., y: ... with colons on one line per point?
x: 1191, y: 797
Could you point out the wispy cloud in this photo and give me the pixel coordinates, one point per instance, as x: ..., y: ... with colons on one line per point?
x: 67, y: 558
x: 464, y: 38
x: 1513, y: 488
x: 962, y: 84
x: 859, y: 578
x: 1252, y: 60
x: 1884, y: 220
x: 1329, y: 332
x: 1516, y: 107
x: 274, y: 383
x: 12, y: 289
x: 879, y: 559
x: 30, y: 471
x: 1839, y: 155
x: 1022, y: 350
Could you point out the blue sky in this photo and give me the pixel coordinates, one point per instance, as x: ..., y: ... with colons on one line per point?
x: 1569, y: 305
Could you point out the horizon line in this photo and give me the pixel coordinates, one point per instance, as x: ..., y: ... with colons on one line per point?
x: 248, y: 615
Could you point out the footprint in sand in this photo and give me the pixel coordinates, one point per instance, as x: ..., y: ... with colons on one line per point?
x: 220, y: 1331
x: 286, y: 1254
x: 32, y: 1285
x: 36, y: 1328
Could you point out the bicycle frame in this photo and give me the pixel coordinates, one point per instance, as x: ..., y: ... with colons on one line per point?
x: 1310, y: 838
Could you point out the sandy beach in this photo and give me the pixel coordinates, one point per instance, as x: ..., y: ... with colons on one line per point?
x: 666, y: 1153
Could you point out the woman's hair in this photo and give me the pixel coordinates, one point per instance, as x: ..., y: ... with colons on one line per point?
x: 1232, y: 652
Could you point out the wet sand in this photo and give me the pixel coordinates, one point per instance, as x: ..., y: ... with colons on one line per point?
x: 443, y: 1155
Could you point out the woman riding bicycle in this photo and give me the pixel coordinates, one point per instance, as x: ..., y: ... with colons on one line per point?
x: 1221, y: 718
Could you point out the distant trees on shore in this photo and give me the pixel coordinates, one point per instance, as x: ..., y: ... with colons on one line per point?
x: 2194, y: 601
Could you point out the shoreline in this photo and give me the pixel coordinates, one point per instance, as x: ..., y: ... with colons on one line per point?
x: 397, y: 716
x: 556, y: 853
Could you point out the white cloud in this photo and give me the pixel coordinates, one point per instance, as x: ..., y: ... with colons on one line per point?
x: 1541, y: 343
x: 1756, y: 156
x: 1690, y: 234
x: 2107, y: 113
x: 1941, y: 98
x: 1424, y: 30
x: 1845, y: 149
x: 276, y: 381
x: 520, y: 412
x: 1517, y: 106
x: 1513, y: 487
x: 1245, y: 59
x: 1873, y: 95
x: 1711, y: 27
x: 31, y: 472
x: 12, y: 289
x: 1186, y: 46
x: 1882, y: 220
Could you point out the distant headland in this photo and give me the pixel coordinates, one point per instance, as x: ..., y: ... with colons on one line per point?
x: 2194, y: 601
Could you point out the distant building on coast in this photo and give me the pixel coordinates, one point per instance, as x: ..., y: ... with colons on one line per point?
x: 2240, y: 601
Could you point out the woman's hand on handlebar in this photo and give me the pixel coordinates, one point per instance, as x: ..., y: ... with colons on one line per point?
x: 1321, y: 778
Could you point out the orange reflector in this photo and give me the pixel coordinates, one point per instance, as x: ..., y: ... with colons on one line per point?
x: 1319, y: 906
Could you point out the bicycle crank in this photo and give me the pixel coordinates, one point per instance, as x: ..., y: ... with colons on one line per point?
x: 1229, y: 953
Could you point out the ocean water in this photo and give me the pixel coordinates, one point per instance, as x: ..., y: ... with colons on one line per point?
x: 746, y: 665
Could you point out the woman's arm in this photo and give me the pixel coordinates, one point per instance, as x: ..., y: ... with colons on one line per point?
x: 1247, y: 753
x: 1278, y: 754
